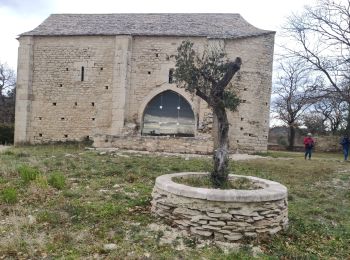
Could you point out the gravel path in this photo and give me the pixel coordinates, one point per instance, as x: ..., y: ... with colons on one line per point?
x: 235, y: 157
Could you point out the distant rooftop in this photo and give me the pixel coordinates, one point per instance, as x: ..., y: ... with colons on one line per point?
x: 166, y: 24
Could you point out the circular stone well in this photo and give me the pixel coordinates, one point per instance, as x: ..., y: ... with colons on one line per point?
x: 226, y: 215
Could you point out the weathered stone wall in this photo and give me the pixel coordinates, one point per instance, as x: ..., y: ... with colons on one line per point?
x: 328, y: 143
x: 63, y: 106
x: 200, y: 145
x: 152, y: 58
x: 250, y: 124
x: 24, y: 88
x: 323, y: 143
x: 122, y: 74
x: 228, y: 220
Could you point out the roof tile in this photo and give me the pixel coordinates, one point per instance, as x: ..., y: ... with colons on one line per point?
x: 211, y: 25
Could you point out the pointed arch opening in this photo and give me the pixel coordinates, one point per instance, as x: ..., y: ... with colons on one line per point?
x: 168, y: 113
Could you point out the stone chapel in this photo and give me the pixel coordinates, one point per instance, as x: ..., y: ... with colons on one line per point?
x: 109, y: 78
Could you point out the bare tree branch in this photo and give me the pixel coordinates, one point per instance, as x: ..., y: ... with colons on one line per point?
x: 321, y: 36
x: 7, y: 94
x: 294, y: 91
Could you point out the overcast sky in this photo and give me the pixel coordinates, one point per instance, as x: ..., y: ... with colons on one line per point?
x: 18, y: 16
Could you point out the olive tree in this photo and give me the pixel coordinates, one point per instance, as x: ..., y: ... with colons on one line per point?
x: 208, y: 76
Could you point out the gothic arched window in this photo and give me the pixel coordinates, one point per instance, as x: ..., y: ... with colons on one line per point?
x: 168, y: 113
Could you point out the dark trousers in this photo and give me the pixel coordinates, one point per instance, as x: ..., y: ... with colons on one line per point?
x: 308, y: 151
x: 346, y: 153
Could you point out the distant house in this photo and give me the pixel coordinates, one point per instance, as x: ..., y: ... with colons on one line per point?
x: 108, y: 77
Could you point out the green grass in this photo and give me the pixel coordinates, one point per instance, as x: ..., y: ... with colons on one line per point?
x: 27, y: 173
x: 78, y: 201
x: 9, y: 195
x: 57, y: 180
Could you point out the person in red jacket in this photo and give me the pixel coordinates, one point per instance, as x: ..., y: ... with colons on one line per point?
x: 309, y: 145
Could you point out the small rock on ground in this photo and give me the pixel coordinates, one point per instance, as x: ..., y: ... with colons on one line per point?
x: 110, y: 247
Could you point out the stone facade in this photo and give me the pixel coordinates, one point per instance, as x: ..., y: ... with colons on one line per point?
x: 227, y: 215
x: 77, y: 85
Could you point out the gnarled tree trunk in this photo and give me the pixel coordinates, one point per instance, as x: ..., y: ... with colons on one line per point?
x: 291, y: 137
x: 221, y: 154
x: 347, y: 129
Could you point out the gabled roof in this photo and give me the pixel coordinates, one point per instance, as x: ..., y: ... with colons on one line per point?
x: 162, y: 24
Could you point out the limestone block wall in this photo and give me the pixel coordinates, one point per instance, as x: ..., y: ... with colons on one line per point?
x: 152, y: 58
x: 199, y: 145
x: 250, y: 124
x: 74, y: 87
x: 121, y: 83
x: 72, y: 79
x: 24, y: 89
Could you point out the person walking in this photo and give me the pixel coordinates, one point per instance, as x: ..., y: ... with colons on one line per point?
x: 345, y: 142
x: 309, y: 144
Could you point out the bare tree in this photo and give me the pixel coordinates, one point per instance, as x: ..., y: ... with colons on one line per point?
x: 293, y: 93
x: 333, y: 112
x: 314, y: 122
x: 7, y: 79
x: 7, y: 94
x: 322, y: 38
x: 208, y: 76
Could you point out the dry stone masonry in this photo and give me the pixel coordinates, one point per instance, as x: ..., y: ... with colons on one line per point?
x: 94, y: 76
x: 188, y: 145
x: 227, y: 215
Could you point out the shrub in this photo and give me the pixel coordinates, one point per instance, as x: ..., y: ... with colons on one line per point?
x: 57, y: 180
x: 9, y: 195
x: 28, y: 174
x: 6, y: 134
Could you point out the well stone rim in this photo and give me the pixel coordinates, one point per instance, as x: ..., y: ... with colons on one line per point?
x: 270, y: 190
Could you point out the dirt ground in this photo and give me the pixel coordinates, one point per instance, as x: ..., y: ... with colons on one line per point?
x: 235, y: 157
